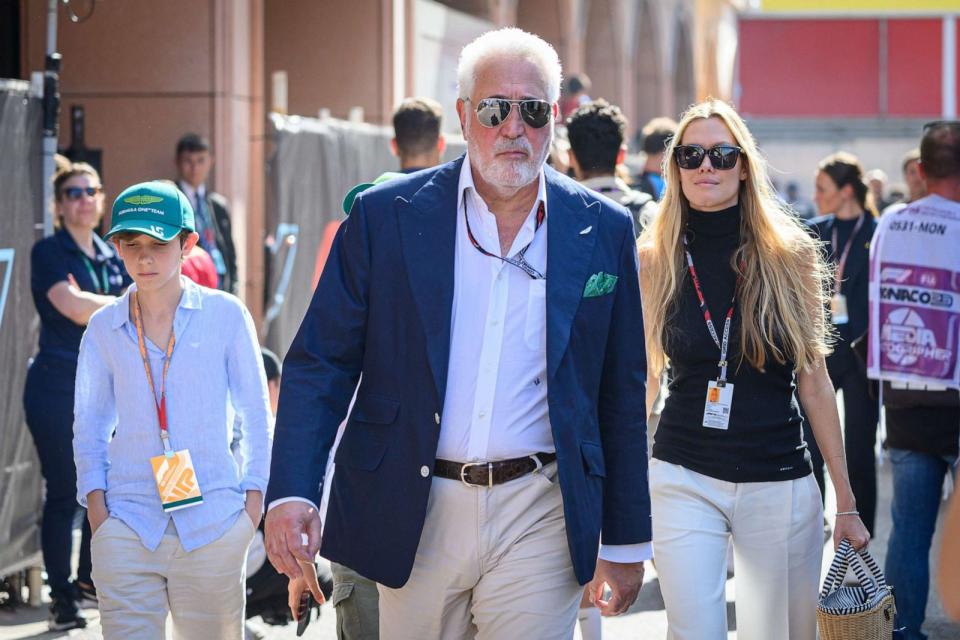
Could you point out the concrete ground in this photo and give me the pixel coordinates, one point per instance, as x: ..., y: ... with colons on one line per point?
x: 646, y: 619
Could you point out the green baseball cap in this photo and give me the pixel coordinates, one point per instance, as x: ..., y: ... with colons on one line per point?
x: 156, y: 208
x: 363, y: 186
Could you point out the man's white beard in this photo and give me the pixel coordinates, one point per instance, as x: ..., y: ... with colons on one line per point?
x: 507, y: 173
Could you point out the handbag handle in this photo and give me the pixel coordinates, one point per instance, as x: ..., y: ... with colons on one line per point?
x: 861, y: 562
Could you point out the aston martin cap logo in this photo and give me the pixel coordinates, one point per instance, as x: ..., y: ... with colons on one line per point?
x: 141, y: 199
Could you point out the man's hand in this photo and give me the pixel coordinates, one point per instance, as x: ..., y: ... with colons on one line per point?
x: 624, y: 580
x: 284, y: 525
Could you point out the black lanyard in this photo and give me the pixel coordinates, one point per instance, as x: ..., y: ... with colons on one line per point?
x: 722, y: 344
x: 519, y: 261
x: 842, y: 260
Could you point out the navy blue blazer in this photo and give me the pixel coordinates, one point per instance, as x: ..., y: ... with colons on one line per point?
x: 383, y: 308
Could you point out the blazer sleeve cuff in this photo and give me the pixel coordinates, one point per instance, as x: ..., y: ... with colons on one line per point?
x: 625, y: 553
x: 280, y: 501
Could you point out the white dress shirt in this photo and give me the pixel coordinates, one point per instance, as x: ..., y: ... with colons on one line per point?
x: 495, y: 404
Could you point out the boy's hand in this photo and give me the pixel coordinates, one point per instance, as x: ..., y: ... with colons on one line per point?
x: 254, y: 507
x: 97, y: 512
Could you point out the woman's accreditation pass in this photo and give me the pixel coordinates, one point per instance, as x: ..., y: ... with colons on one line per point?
x: 716, y: 412
x: 176, y: 480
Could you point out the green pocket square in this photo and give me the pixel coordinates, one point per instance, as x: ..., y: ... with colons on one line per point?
x: 599, y: 284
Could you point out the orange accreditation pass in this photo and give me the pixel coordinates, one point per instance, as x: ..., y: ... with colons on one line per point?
x: 176, y: 480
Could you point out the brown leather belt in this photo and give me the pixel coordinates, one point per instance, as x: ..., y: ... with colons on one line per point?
x: 487, y: 474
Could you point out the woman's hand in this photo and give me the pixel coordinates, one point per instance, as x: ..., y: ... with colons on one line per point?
x: 852, y: 528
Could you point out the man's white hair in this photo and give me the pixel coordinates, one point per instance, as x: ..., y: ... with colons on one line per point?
x: 509, y: 43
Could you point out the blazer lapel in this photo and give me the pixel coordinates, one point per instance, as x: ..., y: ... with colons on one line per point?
x: 571, y: 236
x: 428, y: 229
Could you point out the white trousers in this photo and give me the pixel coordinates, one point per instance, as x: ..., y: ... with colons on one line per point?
x: 777, y: 530
x: 492, y: 563
x: 203, y: 589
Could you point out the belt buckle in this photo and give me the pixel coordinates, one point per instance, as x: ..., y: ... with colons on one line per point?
x: 463, y: 473
x: 536, y: 460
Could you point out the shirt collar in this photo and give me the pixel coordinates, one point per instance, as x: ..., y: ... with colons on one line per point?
x: 466, y: 183
x: 191, y: 298
x: 607, y: 183
x: 192, y: 193
x: 102, y: 250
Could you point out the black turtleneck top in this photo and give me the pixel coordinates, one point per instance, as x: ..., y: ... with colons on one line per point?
x: 764, y: 441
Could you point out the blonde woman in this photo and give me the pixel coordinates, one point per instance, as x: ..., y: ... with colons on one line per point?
x: 734, y: 293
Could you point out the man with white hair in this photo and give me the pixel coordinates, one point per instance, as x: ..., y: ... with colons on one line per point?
x: 492, y: 307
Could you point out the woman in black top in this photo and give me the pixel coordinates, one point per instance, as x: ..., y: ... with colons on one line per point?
x: 845, y: 228
x: 725, y: 264
x: 72, y: 274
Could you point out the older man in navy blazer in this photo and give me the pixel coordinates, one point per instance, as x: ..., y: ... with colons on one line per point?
x: 492, y: 307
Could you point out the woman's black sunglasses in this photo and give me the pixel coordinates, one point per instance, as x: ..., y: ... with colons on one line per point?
x: 492, y: 112
x: 75, y: 193
x: 722, y: 156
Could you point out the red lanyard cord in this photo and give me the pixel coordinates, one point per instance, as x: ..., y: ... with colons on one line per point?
x: 724, y: 343
x: 162, y: 403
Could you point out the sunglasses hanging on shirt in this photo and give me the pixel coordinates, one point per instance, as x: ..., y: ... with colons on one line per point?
x: 519, y: 259
x: 492, y: 112
x: 722, y: 156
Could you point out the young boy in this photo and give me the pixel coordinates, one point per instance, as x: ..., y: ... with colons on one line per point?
x: 172, y: 513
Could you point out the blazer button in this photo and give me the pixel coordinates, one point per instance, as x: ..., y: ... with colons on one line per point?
x: 436, y: 418
x: 425, y: 471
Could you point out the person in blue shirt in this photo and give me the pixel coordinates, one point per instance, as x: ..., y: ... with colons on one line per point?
x: 72, y: 274
x: 171, y: 510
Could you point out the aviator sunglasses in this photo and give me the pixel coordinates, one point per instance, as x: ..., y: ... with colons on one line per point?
x: 722, y: 156
x: 75, y: 193
x: 492, y: 112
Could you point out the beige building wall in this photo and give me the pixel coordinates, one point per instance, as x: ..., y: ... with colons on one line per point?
x: 337, y: 55
x: 146, y: 72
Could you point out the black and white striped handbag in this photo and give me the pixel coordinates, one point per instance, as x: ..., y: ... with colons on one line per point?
x: 863, y: 612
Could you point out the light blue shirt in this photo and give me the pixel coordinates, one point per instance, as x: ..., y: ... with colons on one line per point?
x: 216, y: 361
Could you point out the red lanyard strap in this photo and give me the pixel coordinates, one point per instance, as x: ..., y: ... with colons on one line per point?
x: 725, y: 342
x: 519, y: 261
x: 842, y: 262
x: 162, y: 403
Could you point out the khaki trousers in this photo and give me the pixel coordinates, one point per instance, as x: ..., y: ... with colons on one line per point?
x: 777, y: 532
x: 203, y: 590
x: 493, y: 563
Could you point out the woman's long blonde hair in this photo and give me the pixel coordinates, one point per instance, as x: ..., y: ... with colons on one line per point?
x: 784, y: 278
